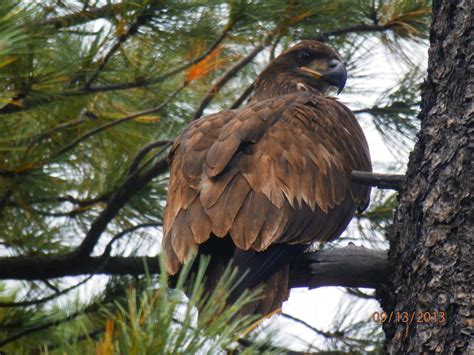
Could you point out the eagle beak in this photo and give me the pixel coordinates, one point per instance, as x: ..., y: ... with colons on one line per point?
x: 312, y: 72
x: 336, y: 74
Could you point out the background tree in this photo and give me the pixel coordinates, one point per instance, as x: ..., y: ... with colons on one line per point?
x: 93, y: 92
x: 431, y: 242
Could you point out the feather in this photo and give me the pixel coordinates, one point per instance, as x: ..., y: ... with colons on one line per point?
x: 249, y: 220
x: 184, y: 245
x: 198, y: 222
x: 259, y: 183
x: 172, y: 263
x: 224, y: 211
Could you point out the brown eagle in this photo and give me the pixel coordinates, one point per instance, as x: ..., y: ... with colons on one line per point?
x: 259, y: 184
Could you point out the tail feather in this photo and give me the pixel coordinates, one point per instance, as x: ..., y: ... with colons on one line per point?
x: 269, y: 267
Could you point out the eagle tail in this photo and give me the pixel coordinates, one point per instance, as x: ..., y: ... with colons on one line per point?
x: 269, y: 268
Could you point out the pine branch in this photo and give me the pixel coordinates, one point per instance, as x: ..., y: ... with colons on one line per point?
x: 47, y: 134
x: 50, y: 98
x: 46, y: 325
x: 240, y: 100
x: 81, y: 203
x: 70, y: 214
x: 47, y: 298
x: 151, y: 81
x: 324, y: 36
x: 100, y: 129
x: 38, y: 328
x: 77, y: 201
x: 132, y: 30
x: 106, y: 126
x: 350, y: 266
x: 78, y: 18
x: 382, y: 181
x: 231, y: 73
x: 144, y: 151
x: 104, y: 257
x: 129, y: 188
x: 394, y: 107
x: 108, y: 247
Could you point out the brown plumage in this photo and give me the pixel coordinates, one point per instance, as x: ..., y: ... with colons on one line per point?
x: 258, y: 184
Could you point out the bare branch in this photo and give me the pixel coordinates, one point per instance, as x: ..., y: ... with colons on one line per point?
x: 317, y: 331
x: 350, y: 266
x: 382, y: 181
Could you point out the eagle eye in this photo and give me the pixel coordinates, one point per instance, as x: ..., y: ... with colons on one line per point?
x: 305, y: 55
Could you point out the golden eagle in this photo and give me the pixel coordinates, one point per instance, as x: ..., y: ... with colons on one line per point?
x: 257, y: 185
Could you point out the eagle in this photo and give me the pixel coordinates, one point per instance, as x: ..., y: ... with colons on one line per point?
x: 257, y: 185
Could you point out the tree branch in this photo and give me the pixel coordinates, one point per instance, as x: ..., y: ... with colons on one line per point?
x: 144, y: 151
x: 229, y: 75
x: 382, y: 181
x: 350, y: 266
x: 81, y: 17
x: 52, y: 97
x: 133, y: 184
x: 46, y: 298
x: 106, y: 126
x: 145, y: 82
x: 132, y: 30
x: 38, y: 328
x: 240, y: 100
x: 363, y: 27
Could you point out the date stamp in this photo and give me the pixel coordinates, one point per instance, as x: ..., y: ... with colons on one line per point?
x: 403, y: 317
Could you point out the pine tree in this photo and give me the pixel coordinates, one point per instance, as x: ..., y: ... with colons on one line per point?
x: 92, y: 95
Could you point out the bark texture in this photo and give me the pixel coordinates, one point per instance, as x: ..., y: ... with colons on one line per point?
x: 431, y: 244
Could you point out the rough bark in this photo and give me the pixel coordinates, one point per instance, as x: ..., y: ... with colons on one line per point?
x: 431, y: 253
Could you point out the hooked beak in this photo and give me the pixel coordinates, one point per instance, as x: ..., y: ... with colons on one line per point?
x: 336, y: 74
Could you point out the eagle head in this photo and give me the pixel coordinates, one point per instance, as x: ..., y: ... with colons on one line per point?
x: 308, y: 66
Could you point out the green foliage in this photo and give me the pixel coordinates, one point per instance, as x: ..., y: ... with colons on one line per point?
x: 85, y: 85
x: 149, y: 317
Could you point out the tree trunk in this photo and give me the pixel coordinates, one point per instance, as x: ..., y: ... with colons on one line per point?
x: 431, y: 253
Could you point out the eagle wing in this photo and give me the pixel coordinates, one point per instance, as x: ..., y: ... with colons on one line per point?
x: 276, y: 171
